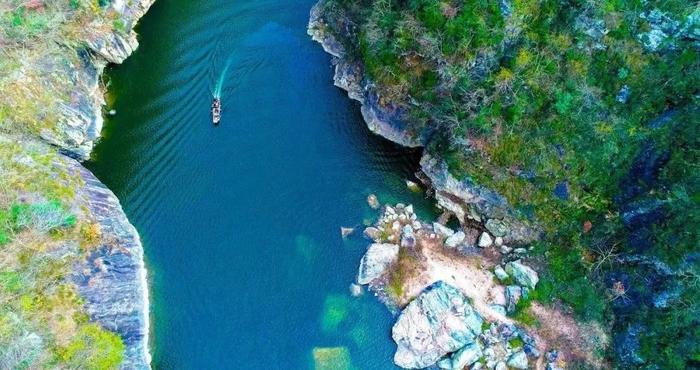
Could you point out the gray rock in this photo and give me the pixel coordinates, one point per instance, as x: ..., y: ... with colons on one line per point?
x: 355, y: 290
x: 466, y: 200
x: 408, y: 238
x: 623, y: 95
x: 373, y: 201
x: 498, y: 308
x: 523, y: 275
x: 485, y: 240
x: 412, y: 186
x: 500, y: 273
x: 455, y: 239
x: 466, y: 356
x: 518, y: 360
x: 520, y: 251
x: 497, y: 227
x: 437, y: 322
x: 501, y: 366
x: 375, y: 261
x: 115, y: 295
x: 345, y: 231
x: 498, y: 241
x: 513, y: 295
x: 442, y: 229
x: 373, y: 233
x: 445, y: 363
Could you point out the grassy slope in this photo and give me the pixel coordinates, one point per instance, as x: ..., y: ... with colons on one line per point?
x: 42, y: 230
x: 528, y: 104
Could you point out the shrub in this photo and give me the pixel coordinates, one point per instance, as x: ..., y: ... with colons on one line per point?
x: 94, y: 348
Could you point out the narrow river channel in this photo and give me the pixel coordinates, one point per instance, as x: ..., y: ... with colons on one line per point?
x: 241, y: 222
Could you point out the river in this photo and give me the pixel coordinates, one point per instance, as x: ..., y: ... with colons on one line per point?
x: 241, y: 222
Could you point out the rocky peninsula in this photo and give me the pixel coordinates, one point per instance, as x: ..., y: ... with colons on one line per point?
x: 551, y: 210
x: 465, y: 298
x: 72, y: 277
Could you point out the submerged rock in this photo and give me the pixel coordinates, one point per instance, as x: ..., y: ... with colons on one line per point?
x: 437, y: 322
x: 373, y: 201
x: 355, y: 290
x: 332, y: 358
x: 375, y: 261
x: 412, y: 186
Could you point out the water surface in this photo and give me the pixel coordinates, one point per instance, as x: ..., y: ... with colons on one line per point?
x: 240, y: 223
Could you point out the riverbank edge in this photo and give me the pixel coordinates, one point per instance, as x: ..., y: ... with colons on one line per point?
x: 112, y: 280
x: 464, y: 199
x: 106, y: 301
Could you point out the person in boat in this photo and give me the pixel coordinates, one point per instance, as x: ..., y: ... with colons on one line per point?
x: 216, y: 110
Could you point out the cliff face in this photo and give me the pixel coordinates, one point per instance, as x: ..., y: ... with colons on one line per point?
x: 55, y: 209
x: 563, y: 122
x: 112, y: 278
x: 465, y: 199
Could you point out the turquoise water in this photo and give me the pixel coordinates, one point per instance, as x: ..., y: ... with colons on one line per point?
x: 240, y: 223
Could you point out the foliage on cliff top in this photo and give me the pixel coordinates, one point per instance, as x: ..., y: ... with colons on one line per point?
x: 43, y: 234
x: 45, y: 73
x: 552, y: 103
x: 38, y: 41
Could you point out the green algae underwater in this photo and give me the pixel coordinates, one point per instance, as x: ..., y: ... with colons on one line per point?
x: 241, y: 223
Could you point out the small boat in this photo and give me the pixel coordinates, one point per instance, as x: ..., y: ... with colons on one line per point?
x: 216, y: 111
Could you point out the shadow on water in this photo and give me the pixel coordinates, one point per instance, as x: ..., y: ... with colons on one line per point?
x: 240, y: 222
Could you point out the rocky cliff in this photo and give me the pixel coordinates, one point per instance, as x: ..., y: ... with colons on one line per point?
x: 56, y: 211
x: 552, y: 122
x: 464, y: 198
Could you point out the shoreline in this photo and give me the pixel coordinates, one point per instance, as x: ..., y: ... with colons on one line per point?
x: 49, y: 132
x: 141, y: 8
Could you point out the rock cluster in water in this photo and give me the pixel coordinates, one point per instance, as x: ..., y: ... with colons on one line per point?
x: 441, y: 326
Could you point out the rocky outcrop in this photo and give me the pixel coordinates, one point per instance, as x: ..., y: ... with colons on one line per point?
x: 80, y: 119
x: 376, y: 260
x: 469, y: 201
x: 112, y: 280
x: 382, y: 118
x: 464, y: 198
x: 437, y: 322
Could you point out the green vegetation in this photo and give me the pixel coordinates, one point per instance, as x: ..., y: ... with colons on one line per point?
x: 39, y: 42
x: 549, y: 102
x: 44, y: 228
x: 42, y: 319
x: 94, y: 348
x: 405, y: 268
